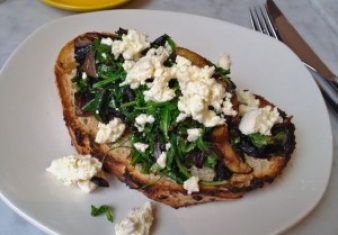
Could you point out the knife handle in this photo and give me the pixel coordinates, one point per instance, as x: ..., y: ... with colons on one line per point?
x: 328, y: 89
x: 302, y: 49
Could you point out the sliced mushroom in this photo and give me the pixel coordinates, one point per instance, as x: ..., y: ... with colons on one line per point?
x: 235, y: 106
x: 81, y: 48
x: 231, y: 159
x: 89, y: 65
x: 195, y: 58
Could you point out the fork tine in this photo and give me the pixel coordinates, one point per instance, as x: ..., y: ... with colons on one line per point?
x: 253, y: 20
x: 268, y: 22
x: 261, y: 22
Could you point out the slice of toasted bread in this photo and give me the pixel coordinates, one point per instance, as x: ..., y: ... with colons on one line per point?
x: 117, y: 158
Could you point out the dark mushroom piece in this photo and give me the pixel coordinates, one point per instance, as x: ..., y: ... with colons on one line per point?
x: 231, y: 159
x: 89, y: 65
x: 81, y: 48
x: 101, y: 182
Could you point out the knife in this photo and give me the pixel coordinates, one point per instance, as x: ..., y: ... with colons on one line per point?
x: 325, y: 78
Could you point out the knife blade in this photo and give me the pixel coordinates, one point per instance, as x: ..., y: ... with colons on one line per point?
x: 293, y: 39
x: 325, y: 78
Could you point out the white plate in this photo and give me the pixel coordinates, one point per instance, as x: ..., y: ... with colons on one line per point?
x: 33, y: 131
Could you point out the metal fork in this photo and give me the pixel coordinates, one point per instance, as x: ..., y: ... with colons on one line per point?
x: 261, y: 22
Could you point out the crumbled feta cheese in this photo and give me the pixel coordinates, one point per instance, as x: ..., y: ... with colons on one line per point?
x: 109, y: 133
x: 181, y: 117
x: 86, y: 185
x: 142, y: 119
x: 195, y: 103
x: 141, y: 147
x: 84, y: 75
x: 247, y: 101
x: 224, y: 61
x: 137, y: 73
x: 193, y: 134
x: 138, y: 222
x: 151, y: 66
x: 227, y: 106
x: 199, y: 92
x: 168, y: 146
x: 159, y: 90
x: 107, y: 41
x: 191, y: 184
x: 259, y: 120
x: 131, y: 45
x: 162, y: 160
x: 76, y: 169
x: 203, y: 98
x: 211, y: 119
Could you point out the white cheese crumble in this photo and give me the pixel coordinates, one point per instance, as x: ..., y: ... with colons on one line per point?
x: 168, y: 146
x: 107, y: 41
x: 259, y: 120
x: 199, y: 92
x: 162, y: 160
x: 193, y: 134
x: 76, y: 169
x: 228, y: 106
x: 131, y: 45
x: 137, y: 74
x: 224, y: 61
x: 191, y: 184
x: 247, y: 101
x: 109, y: 133
x: 202, y: 96
x: 141, y: 120
x: 84, y: 75
x: 138, y: 222
x: 148, y: 66
x: 159, y: 90
x: 141, y: 147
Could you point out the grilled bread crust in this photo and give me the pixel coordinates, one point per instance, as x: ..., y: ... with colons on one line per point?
x: 117, y: 160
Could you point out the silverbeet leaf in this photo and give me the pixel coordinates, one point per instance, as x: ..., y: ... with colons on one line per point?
x: 102, y: 210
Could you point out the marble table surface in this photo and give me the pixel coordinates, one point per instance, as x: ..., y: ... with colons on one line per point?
x: 316, y: 20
